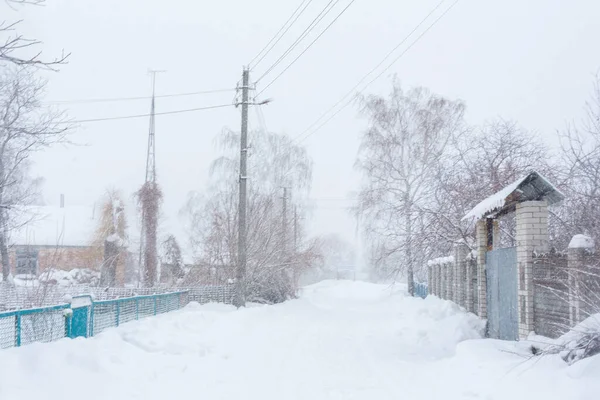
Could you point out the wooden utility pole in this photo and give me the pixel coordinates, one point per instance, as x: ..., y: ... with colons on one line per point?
x: 240, y: 282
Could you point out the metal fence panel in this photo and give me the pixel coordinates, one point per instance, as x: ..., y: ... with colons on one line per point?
x: 210, y: 294
x: 104, y: 315
x: 46, y: 324
x: 502, y: 312
x: 127, y: 311
x: 8, y: 333
x: 43, y: 327
x: 145, y: 307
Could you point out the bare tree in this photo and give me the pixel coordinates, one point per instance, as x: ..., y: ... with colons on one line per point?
x: 408, y: 136
x: 25, y: 127
x: 171, y: 261
x: 274, y: 162
x: 20, y: 50
x: 111, y: 237
x: 580, y: 178
x: 482, y: 162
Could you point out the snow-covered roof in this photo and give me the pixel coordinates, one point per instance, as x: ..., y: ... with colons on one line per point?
x: 56, y: 226
x: 529, y: 187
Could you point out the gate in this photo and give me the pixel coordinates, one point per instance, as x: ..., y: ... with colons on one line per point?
x: 81, y: 318
x: 501, y: 271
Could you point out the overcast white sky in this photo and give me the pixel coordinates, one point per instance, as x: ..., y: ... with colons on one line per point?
x: 531, y: 61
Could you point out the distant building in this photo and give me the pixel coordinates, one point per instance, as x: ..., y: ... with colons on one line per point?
x: 54, y: 239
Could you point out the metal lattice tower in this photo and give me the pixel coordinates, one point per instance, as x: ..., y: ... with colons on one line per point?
x: 151, y: 156
x: 150, y: 182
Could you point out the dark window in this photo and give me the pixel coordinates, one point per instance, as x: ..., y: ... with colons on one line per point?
x: 27, y: 262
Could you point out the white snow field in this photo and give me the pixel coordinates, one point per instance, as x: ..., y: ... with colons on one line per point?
x: 340, y: 340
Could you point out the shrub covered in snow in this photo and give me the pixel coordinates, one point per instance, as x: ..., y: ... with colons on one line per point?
x: 580, y: 342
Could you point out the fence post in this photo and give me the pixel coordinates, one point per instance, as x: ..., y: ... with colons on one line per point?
x: 68, y: 321
x: 154, y: 304
x: 449, y: 268
x: 481, y: 246
x: 460, y: 261
x: 92, y: 319
x: 469, y: 272
x: 429, y: 279
x: 137, y: 308
x: 118, y: 312
x: 18, y: 329
x: 532, y: 235
x: 579, y: 247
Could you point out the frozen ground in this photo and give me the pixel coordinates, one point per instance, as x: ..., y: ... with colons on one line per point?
x: 340, y: 340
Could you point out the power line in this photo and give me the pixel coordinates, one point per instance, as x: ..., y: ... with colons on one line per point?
x: 101, y: 100
x: 278, y: 32
x: 376, y: 77
x: 352, y: 91
x: 328, y: 7
x: 307, y: 47
x: 146, y: 115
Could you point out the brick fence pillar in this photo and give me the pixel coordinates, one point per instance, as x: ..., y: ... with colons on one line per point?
x: 460, y: 273
x: 532, y: 236
x: 481, y: 247
x: 429, y: 280
x: 469, y: 300
x: 448, y: 267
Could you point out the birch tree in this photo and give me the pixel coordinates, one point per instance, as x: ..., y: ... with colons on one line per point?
x: 580, y: 145
x: 274, y: 162
x: 408, y: 135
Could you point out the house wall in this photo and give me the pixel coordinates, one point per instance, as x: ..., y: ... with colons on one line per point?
x: 63, y: 258
x: 74, y: 257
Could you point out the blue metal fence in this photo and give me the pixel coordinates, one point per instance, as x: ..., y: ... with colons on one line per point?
x: 420, y: 290
x: 83, y: 317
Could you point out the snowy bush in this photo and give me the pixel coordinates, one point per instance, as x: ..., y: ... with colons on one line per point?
x: 580, y: 342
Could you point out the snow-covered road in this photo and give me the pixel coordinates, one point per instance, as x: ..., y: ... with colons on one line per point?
x: 340, y: 340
